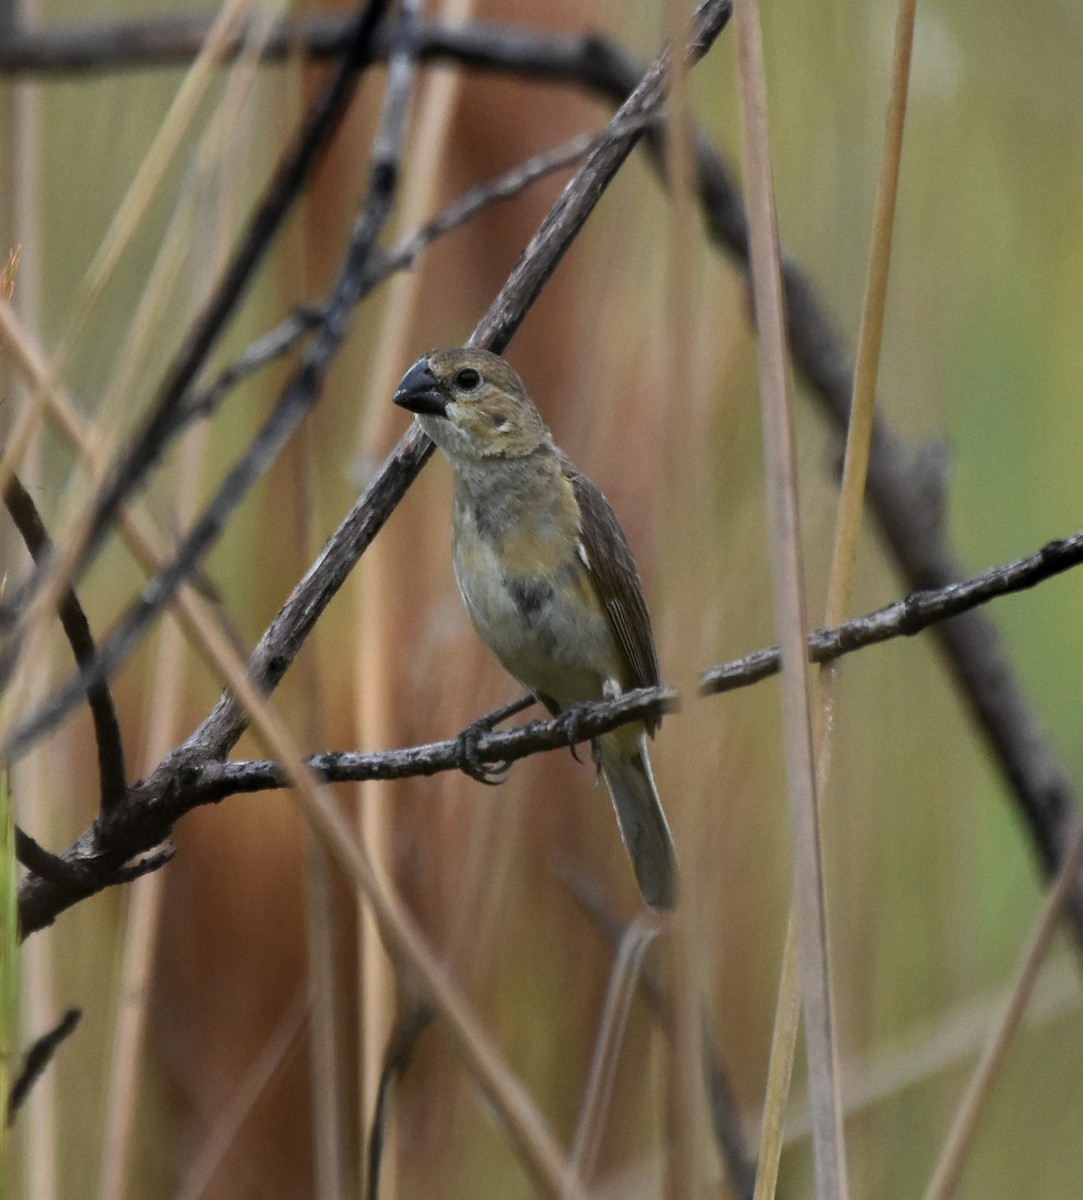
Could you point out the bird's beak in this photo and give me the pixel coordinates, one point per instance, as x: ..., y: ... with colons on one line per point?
x: 421, y: 392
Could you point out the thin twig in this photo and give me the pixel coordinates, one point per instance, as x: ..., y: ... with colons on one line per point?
x: 399, y: 1052
x: 113, y: 781
x: 278, y: 342
x: 909, y: 616
x: 38, y: 1057
x: 567, y: 216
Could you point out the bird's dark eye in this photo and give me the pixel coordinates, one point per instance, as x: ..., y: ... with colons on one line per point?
x: 467, y: 379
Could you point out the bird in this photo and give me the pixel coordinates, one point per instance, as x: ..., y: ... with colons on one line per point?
x: 547, y: 576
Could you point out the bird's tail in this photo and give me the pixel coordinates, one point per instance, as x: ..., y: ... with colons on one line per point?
x: 643, y: 826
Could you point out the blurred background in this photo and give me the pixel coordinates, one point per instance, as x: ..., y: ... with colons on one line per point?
x: 235, y: 1008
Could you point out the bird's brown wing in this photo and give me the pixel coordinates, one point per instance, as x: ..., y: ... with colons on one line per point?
x: 613, y: 572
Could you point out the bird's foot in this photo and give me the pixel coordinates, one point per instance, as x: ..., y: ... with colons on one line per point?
x: 466, y: 744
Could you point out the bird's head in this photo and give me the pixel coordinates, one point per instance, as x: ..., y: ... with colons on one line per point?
x: 472, y: 405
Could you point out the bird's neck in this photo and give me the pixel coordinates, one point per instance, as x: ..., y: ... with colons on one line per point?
x: 499, y: 494
x: 492, y: 478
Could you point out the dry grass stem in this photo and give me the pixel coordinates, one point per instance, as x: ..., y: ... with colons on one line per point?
x: 200, y: 1171
x: 787, y: 572
x: 376, y: 592
x: 594, y: 1108
x: 779, y: 1066
x: 850, y: 514
x: 952, y: 1161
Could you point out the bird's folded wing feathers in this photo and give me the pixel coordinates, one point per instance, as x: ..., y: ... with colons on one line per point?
x: 613, y: 572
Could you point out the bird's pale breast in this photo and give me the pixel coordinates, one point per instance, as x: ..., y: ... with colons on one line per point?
x: 527, y: 591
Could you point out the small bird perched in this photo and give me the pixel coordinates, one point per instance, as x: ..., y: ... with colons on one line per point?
x: 546, y: 575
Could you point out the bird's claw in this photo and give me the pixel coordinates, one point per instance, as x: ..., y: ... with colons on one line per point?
x: 571, y: 720
x: 466, y: 748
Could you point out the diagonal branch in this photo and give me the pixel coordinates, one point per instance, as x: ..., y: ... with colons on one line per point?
x: 279, y: 341
x: 293, y: 172
x: 299, y: 396
x: 280, y: 643
x: 143, y: 822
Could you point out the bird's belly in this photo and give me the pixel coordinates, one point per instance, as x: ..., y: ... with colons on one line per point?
x: 546, y: 629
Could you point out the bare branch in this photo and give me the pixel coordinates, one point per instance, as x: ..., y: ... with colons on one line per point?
x: 214, y: 780
x: 210, y: 780
x: 278, y: 342
x: 906, y: 617
x: 125, y: 45
x: 194, y: 774
x: 299, y: 396
x: 294, y: 169
x: 567, y: 216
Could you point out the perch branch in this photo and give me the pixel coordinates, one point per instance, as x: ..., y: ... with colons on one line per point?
x: 195, y: 774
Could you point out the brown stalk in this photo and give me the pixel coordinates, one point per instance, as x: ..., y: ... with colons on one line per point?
x: 787, y: 570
